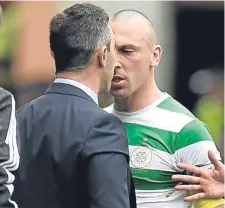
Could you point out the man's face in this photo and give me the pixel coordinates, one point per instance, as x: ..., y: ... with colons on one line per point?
x: 133, y: 58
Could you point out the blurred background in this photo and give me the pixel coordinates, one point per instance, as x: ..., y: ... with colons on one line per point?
x: 191, y: 34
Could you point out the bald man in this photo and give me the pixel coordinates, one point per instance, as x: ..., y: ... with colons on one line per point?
x: 9, y: 156
x: 161, y: 132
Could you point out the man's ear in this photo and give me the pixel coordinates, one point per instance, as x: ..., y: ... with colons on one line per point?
x: 52, y: 54
x: 102, y: 55
x: 155, y: 59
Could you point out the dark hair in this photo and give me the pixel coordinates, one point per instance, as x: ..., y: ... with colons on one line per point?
x: 76, y: 33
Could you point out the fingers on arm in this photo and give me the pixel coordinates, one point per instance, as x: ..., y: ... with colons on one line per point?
x: 214, y: 160
x: 190, y: 168
x: 188, y: 187
x: 194, y: 197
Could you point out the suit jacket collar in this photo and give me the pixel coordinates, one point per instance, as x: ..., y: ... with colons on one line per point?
x: 60, y: 88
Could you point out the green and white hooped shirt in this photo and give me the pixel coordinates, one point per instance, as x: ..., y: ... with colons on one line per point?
x: 160, y: 136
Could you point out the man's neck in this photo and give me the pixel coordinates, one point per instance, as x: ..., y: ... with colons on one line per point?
x: 90, y: 80
x: 139, y: 100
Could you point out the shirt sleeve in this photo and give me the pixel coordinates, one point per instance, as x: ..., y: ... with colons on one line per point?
x: 107, y: 181
x: 209, y: 203
x: 107, y: 173
x: 193, y: 144
x: 9, y: 156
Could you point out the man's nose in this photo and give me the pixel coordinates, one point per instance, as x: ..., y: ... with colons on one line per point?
x: 117, y: 63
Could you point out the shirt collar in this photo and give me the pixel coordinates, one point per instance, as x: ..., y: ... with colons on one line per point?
x: 79, y: 85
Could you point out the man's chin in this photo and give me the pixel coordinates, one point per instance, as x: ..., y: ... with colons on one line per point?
x: 117, y: 93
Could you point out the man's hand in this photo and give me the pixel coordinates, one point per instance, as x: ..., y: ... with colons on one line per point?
x: 209, y: 181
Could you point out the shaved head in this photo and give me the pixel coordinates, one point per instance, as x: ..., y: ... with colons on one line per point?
x: 136, y: 18
x: 137, y: 55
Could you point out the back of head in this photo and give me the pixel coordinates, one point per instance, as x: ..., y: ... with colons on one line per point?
x: 76, y: 33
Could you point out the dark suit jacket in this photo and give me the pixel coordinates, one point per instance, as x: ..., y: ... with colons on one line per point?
x: 9, y: 157
x: 73, y: 153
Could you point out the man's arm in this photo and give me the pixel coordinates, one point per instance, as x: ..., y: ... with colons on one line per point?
x: 9, y: 156
x: 107, y: 183
x: 197, y: 142
x: 106, y: 151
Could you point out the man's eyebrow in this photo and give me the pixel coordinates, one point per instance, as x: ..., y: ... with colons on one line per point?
x: 126, y: 46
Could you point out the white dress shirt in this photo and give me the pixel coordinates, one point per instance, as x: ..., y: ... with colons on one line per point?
x: 79, y: 85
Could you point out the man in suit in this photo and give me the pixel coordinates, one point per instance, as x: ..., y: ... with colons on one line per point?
x: 9, y: 156
x: 73, y: 153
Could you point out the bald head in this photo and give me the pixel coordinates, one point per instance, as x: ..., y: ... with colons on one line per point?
x: 137, y: 19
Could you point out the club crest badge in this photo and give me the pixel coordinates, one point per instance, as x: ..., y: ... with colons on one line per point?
x: 141, y: 157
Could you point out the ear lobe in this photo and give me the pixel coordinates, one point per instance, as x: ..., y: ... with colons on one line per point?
x: 156, y: 56
x: 103, y: 56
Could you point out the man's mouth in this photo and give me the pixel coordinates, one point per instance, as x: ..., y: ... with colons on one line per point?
x: 117, y: 79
